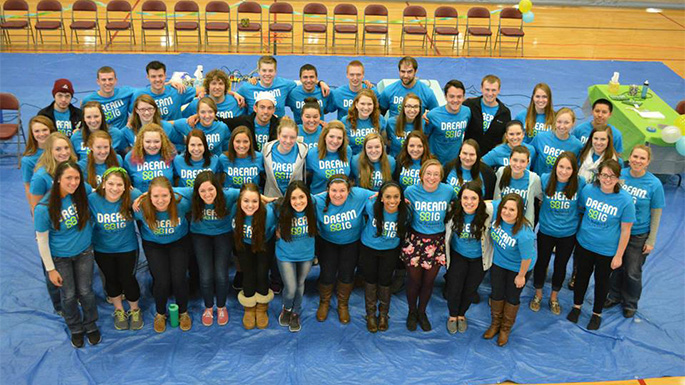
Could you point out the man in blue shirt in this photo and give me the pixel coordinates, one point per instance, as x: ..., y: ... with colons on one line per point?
x: 116, y: 102
x: 393, y: 95
x: 63, y: 114
x: 488, y: 115
x: 342, y: 97
x: 601, y: 113
x: 262, y: 122
x: 447, y: 124
x: 309, y: 88
x: 216, y: 84
x: 168, y: 99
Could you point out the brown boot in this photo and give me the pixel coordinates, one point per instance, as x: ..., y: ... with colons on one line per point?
x: 508, y: 320
x: 344, y: 290
x: 249, y: 318
x: 496, y: 309
x: 383, y: 307
x: 262, y: 316
x: 325, y: 293
x: 371, y: 297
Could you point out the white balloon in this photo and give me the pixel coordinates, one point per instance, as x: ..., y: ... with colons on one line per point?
x: 670, y: 134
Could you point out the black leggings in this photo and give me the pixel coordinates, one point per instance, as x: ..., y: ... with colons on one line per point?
x: 168, y: 265
x: 463, y: 278
x: 255, y: 268
x: 588, y: 262
x: 337, y: 261
x: 378, y: 265
x: 120, y: 273
x: 503, y: 286
x: 564, y: 250
x: 420, y: 286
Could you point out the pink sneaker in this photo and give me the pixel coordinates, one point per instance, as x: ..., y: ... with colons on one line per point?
x: 208, y: 317
x: 222, y: 316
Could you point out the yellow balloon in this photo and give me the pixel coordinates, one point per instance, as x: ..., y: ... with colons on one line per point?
x: 680, y: 123
x: 525, y: 6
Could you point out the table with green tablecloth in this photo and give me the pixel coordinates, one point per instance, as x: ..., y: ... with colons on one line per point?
x: 638, y: 130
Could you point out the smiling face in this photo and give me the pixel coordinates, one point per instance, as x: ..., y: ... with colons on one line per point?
x: 564, y: 124
x: 355, y: 76
x: 69, y: 181
x: 514, y: 135
x: 286, y: 139
x: 540, y: 99
x: 509, y: 212
x: 454, y: 97
x: 412, y: 108
x: 639, y: 160
x: 241, y: 145
x: 195, y: 148
x: 467, y: 156
x: 601, y: 114
x: 146, y: 112
x: 107, y: 81
x: 407, y: 74
x: 431, y: 177
x: 518, y: 163
x: 469, y: 201
x: 61, y: 150
x: 249, y: 202
x: 152, y: 143
x: 364, y: 107
x: 309, y: 80
x: 600, y: 141
x: 92, y: 117
x: 157, y: 79
x: 311, y: 119
x: 415, y: 148
x: 334, y: 139
x: 206, y: 113
x: 114, y: 187
x: 265, y: 110
x: 391, y: 199
x: 62, y: 101
x: 207, y: 192
x: 100, y: 148
x: 338, y: 192
x: 564, y: 170
x: 607, y: 179
x: 374, y: 149
x: 267, y: 73
x: 40, y: 133
x: 298, y: 200
x: 217, y: 89
x: 160, y: 197
x: 490, y: 92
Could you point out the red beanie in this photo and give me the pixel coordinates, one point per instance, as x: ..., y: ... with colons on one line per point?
x: 62, y: 85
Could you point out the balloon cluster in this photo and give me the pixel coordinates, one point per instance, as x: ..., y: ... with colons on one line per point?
x: 674, y: 134
x: 525, y: 7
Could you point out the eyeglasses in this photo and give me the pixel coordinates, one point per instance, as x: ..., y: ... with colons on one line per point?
x: 608, y: 176
x: 145, y: 110
x: 412, y: 106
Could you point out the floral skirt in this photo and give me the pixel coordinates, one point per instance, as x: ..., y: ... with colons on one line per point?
x: 423, y: 250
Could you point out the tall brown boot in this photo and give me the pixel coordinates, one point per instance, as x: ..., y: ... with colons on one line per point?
x: 325, y: 293
x: 344, y: 290
x: 262, y: 313
x: 371, y: 297
x: 508, y: 320
x: 249, y: 303
x: 383, y: 307
x: 496, y: 309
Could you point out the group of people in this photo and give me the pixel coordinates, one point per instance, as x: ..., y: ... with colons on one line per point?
x: 397, y: 186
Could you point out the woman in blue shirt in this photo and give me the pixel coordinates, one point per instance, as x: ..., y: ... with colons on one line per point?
x: 400, y: 126
x: 424, y: 250
x: 284, y: 159
x: 310, y: 129
x: 363, y: 118
x: 372, y: 167
x: 295, y: 249
x: 339, y: 219
x: 100, y: 158
x: 516, y: 178
x: 40, y: 127
x: 165, y: 241
x: 58, y: 149
x: 470, y: 251
x: 241, y: 164
x: 216, y: 132
x: 152, y: 156
x: 539, y: 116
x: 253, y: 227
x: 465, y: 167
x: 648, y: 196
x: 93, y: 121
x: 145, y: 111
x: 195, y: 159
x: 559, y: 218
x: 415, y: 152
x: 602, y: 238
x: 386, y: 224
x: 116, y: 244
x: 64, y: 230
x: 549, y: 144
x: 513, y: 136
x: 598, y: 148
x: 331, y: 157
x: 514, y: 255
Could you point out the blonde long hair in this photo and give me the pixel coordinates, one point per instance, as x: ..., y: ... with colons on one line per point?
x: 47, y: 160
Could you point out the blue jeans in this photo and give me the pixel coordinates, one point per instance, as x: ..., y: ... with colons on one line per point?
x: 53, y: 292
x: 294, y: 275
x: 626, y: 281
x: 77, y: 286
x: 213, y: 252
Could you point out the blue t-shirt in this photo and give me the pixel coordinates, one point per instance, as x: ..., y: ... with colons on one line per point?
x: 393, y: 95
x: 229, y: 108
x: 28, y: 164
x: 559, y: 216
x: 269, y: 228
x: 453, y: 179
x: 342, y: 99
x: 41, y: 182
x: 310, y: 139
x: 283, y: 166
x: 261, y: 133
x: 210, y: 224
x: 280, y: 89
x: 396, y: 142
x: 174, y: 136
x: 376, y: 176
x: 112, y: 232
x: 99, y: 168
x: 430, y: 209
x: 166, y: 232
x: 296, y: 100
x: 342, y: 224
x: 300, y: 248
x: 445, y: 131
x: 242, y: 170
x: 82, y: 150
x: 600, y: 228
x: 169, y: 102
x: 142, y: 174
x: 389, y: 238
x: 116, y: 107
x: 464, y: 243
x: 410, y: 176
x: 648, y: 193
x: 510, y: 249
x: 364, y: 127
x: 63, y: 123
x: 517, y: 186
x: 488, y: 114
x: 582, y: 132
x: 539, y: 125
x: 217, y: 134
x: 187, y: 173
x: 499, y: 156
x: 68, y: 241
x: 548, y: 147
x: 322, y: 169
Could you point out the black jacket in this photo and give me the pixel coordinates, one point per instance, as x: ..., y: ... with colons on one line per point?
x: 248, y: 121
x: 75, y: 115
x: 493, y: 136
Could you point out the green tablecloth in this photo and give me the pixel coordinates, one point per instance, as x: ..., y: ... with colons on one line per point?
x: 633, y: 126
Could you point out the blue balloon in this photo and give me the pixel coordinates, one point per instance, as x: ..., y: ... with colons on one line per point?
x: 680, y: 146
x: 528, y: 17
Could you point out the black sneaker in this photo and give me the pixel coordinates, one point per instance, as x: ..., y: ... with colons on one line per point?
x: 284, y: 317
x: 609, y: 303
x: 595, y: 322
x: 573, y: 315
x: 424, y: 323
x: 412, y: 320
x: 238, y: 281
x: 94, y: 337
x: 294, y: 325
x: 78, y: 340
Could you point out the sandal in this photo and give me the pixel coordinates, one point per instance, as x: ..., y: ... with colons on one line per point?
x: 555, y: 307
x: 535, y: 303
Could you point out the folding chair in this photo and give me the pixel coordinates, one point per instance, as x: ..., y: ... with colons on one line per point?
x: 154, y: 19
x: 9, y: 102
x: 414, y: 23
x: 119, y: 18
x: 247, y: 25
x: 342, y: 25
x: 15, y: 17
x: 217, y: 19
x: 315, y: 10
x: 84, y: 17
x: 446, y: 23
x: 49, y: 17
x: 280, y: 28
x: 377, y: 24
x: 507, y: 28
x: 187, y: 19
x: 476, y: 18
